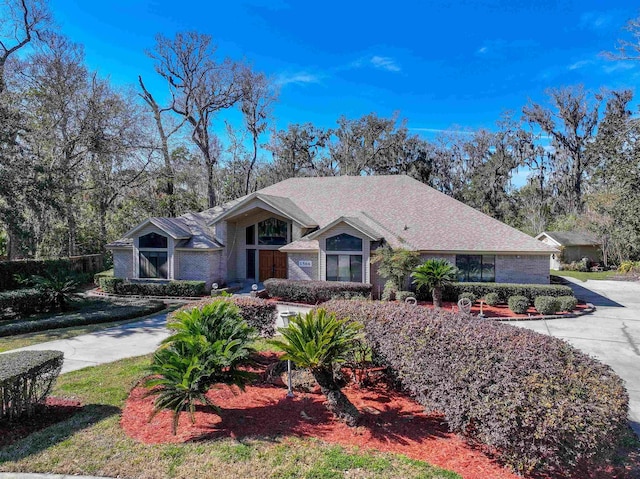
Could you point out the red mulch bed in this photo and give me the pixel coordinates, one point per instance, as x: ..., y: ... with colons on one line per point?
x: 53, y: 411
x: 498, y: 311
x: 392, y: 422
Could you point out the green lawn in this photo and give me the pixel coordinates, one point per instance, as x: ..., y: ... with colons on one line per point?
x: 585, y: 276
x: 92, y: 443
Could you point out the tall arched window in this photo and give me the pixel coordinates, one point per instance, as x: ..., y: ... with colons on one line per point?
x: 342, y: 264
x: 153, y: 256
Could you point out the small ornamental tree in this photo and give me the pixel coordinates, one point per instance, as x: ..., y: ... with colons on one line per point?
x: 319, y: 341
x: 208, y: 345
x: 435, y: 275
x: 395, y: 265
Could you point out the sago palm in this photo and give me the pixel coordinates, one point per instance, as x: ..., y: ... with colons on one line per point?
x: 435, y: 275
x: 208, y: 346
x: 318, y: 341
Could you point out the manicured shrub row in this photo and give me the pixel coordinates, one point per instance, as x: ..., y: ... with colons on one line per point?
x: 470, y: 296
x: 567, y: 303
x: 103, y: 274
x: 532, y: 399
x: 547, y: 304
x: 116, y: 313
x: 258, y: 313
x: 518, y: 304
x: 314, y: 292
x: 22, y: 302
x: 26, y: 378
x: 10, y: 270
x: 504, y: 290
x: 172, y: 288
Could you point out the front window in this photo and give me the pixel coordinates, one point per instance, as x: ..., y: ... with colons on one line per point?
x: 153, y: 264
x: 272, y: 232
x: 152, y: 240
x: 344, y: 267
x: 344, y: 242
x: 478, y: 268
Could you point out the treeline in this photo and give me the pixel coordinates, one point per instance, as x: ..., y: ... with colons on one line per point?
x: 82, y: 161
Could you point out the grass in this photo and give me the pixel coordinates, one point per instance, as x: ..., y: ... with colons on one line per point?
x: 93, y: 443
x: 585, y: 276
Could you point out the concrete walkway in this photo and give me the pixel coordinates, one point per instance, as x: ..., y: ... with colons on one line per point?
x: 610, y: 334
x: 119, y: 342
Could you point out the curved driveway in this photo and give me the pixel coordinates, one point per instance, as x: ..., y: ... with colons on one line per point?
x: 610, y: 334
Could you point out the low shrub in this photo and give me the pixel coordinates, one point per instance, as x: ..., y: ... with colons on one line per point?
x: 568, y: 303
x: 629, y: 267
x: 26, y: 379
x: 402, y: 295
x: 23, y: 302
x: 314, y: 292
x: 172, y: 288
x: 103, y: 274
x: 532, y: 399
x: 504, y: 290
x: 491, y: 299
x: 258, y: 313
x: 547, y: 304
x: 518, y: 304
x: 470, y: 296
x: 389, y: 291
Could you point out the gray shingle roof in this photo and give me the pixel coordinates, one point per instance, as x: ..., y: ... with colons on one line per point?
x: 572, y: 238
x: 417, y: 215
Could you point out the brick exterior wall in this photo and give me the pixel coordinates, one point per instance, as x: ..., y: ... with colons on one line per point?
x: 205, y: 266
x: 123, y: 263
x: 528, y: 269
x: 294, y: 271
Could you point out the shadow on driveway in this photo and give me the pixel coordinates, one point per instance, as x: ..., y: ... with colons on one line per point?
x: 592, y: 297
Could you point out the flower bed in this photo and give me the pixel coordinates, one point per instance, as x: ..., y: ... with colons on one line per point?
x: 499, y: 311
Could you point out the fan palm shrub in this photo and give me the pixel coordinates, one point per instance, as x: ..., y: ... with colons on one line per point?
x: 58, y: 287
x: 318, y: 341
x: 207, y: 347
x: 435, y: 275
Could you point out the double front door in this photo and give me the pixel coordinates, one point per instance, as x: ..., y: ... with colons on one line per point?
x: 273, y: 264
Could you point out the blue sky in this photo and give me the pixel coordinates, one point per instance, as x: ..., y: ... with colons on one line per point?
x: 440, y: 64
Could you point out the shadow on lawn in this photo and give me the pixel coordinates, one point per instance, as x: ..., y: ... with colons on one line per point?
x: 306, y: 416
x: 52, y: 434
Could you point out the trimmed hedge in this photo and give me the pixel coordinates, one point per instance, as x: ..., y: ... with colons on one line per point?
x: 103, y: 274
x: 470, y: 296
x: 9, y: 270
x: 547, y: 304
x: 119, y: 312
x: 258, y: 313
x: 26, y: 379
x: 504, y: 290
x: 314, y: 292
x: 491, y: 299
x: 23, y: 302
x: 518, y: 304
x: 532, y: 399
x: 172, y: 288
x: 568, y: 303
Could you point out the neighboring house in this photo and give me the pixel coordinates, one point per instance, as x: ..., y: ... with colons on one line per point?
x: 325, y: 229
x: 573, y: 246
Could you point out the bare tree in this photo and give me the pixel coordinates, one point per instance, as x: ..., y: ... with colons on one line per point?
x: 200, y: 88
x: 258, y: 97
x: 628, y: 49
x: 164, y: 136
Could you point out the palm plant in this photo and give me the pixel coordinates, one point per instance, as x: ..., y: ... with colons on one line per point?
x: 208, y: 346
x: 318, y: 341
x: 435, y: 275
x: 58, y: 286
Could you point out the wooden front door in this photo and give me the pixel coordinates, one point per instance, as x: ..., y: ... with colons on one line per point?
x: 273, y: 264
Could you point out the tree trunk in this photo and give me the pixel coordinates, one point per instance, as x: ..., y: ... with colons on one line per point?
x: 211, y: 187
x: 437, y: 297
x: 337, y: 402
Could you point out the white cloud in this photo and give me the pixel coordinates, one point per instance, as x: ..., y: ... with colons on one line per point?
x: 617, y: 66
x: 482, y: 50
x: 579, y: 64
x: 595, y: 20
x: 384, y: 63
x: 299, y: 78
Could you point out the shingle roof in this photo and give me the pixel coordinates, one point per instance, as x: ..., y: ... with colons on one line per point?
x: 572, y: 238
x: 414, y: 213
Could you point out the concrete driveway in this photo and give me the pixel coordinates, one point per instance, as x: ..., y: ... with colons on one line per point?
x: 610, y: 334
